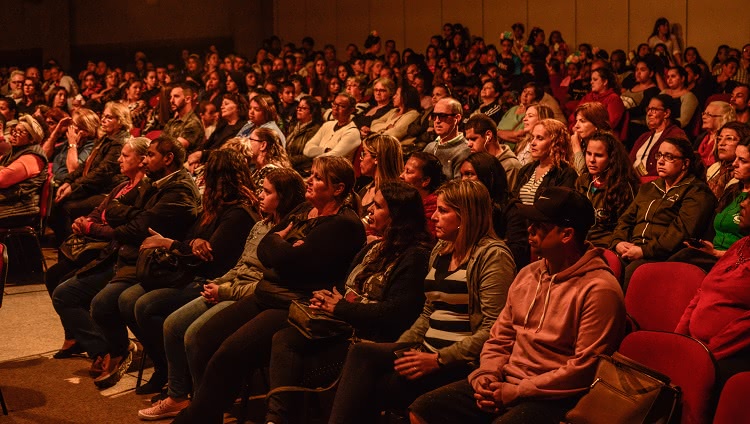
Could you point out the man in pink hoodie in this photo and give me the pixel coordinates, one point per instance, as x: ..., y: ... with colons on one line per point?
x: 562, y: 311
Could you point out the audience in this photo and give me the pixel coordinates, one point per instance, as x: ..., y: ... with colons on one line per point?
x: 279, y: 125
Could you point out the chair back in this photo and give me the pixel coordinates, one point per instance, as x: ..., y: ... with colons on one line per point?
x: 3, y: 270
x: 614, y: 263
x: 659, y: 292
x: 732, y: 407
x: 686, y: 361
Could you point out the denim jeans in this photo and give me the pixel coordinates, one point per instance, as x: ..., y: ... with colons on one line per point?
x: 179, y: 334
x: 72, y: 300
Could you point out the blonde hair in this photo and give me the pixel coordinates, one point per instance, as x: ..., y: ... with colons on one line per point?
x: 543, y: 112
x: 387, y: 150
x: 560, y: 150
x: 275, y: 153
x: 87, y: 120
x: 472, y: 203
x: 121, y: 114
x: 727, y: 113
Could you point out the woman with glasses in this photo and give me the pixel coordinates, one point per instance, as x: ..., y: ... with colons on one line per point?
x: 720, y: 174
x: 673, y: 208
x: 382, y: 92
x: 714, y: 117
x: 309, y: 119
x: 405, y: 110
x: 32, y: 97
x: 21, y: 174
x: 234, y: 109
x: 734, y: 157
x: 660, y: 120
x: 267, y: 153
x: 339, y: 137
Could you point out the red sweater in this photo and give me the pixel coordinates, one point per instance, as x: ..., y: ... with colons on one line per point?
x: 719, y: 314
x: 611, y: 101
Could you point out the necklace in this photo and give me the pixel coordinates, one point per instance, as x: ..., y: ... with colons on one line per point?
x: 741, y: 259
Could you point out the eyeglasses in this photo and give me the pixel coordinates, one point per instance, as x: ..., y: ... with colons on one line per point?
x: 303, y: 108
x: 711, y: 115
x: 257, y: 140
x: 729, y: 138
x: 362, y: 154
x: 17, y: 82
x: 379, y: 90
x: 339, y: 106
x: 442, y: 116
x: 655, y: 109
x: 18, y: 132
x: 668, y: 157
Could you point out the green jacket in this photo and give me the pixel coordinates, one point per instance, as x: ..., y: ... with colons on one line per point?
x: 490, y: 271
x: 659, y: 221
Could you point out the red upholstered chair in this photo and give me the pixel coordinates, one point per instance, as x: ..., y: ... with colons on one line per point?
x: 732, y: 407
x: 686, y: 361
x: 614, y: 263
x: 659, y: 292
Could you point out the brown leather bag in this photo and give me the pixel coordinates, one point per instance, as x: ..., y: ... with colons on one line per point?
x: 626, y: 392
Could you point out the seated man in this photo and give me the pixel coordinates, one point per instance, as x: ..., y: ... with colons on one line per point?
x: 450, y: 145
x: 481, y: 136
x: 339, y: 137
x: 562, y: 311
x: 169, y: 209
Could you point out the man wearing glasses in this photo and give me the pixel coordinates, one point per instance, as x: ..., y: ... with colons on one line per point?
x: 339, y: 137
x: 15, y: 86
x: 450, y: 145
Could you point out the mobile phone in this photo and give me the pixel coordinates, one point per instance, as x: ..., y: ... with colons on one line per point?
x: 695, y: 242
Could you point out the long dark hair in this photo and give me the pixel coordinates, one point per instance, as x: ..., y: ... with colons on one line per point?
x: 619, y: 179
x: 290, y: 189
x: 490, y: 172
x: 734, y: 190
x: 228, y: 183
x: 408, y: 228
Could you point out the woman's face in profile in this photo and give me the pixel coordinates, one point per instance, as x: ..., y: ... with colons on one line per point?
x: 447, y: 222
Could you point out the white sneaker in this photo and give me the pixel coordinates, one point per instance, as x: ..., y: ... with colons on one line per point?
x: 164, y: 408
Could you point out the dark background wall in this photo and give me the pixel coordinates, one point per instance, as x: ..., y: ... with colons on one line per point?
x: 73, y: 30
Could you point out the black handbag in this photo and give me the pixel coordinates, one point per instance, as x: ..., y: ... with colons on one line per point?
x: 315, y: 324
x: 161, y: 268
x: 81, y: 249
x: 626, y: 392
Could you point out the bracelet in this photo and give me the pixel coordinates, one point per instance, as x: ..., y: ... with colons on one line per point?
x: 73, y: 146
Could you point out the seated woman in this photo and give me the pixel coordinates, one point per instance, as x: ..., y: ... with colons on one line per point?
x: 267, y: 153
x: 262, y: 113
x: 510, y: 129
x: 396, y: 121
x: 507, y: 222
x: 381, y: 160
x: 667, y: 211
x: 720, y: 174
x: 609, y: 182
x: 605, y: 90
x: 717, y: 315
x: 382, y: 93
x: 309, y: 120
x: 704, y: 253
x: 638, y: 97
x: 234, y: 110
x: 661, y: 124
x: 98, y: 225
x: 283, y: 190
x: 677, y: 78
x: 550, y: 152
x: 83, y: 189
x: 470, y: 272
x: 382, y: 296
x: 339, y: 137
x: 32, y: 97
x: 307, y: 251
x: 215, y: 242
x: 355, y: 87
x: 714, y: 117
x: 490, y: 98
x: 534, y: 113
x: 424, y: 172
x: 591, y: 118
x: 22, y: 174
x: 137, y: 107
x: 73, y: 149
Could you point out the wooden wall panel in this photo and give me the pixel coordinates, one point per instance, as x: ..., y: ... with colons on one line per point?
x: 351, y: 24
x: 556, y: 15
x: 499, y: 16
x: 717, y: 22
x: 321, y: 21
x: 644, y: 13
x: 290, y: 20
x: 601, y: 25
x: 421, y: 21
x: 466, y: 12
x: 388, y: 18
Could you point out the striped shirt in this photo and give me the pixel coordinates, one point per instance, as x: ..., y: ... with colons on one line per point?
x: 528, y: 190
x: 449, y: 294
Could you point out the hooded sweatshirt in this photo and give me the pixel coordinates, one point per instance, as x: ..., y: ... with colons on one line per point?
x: 545, y: 342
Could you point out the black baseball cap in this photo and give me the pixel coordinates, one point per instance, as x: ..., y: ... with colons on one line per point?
x: 561, y: 206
